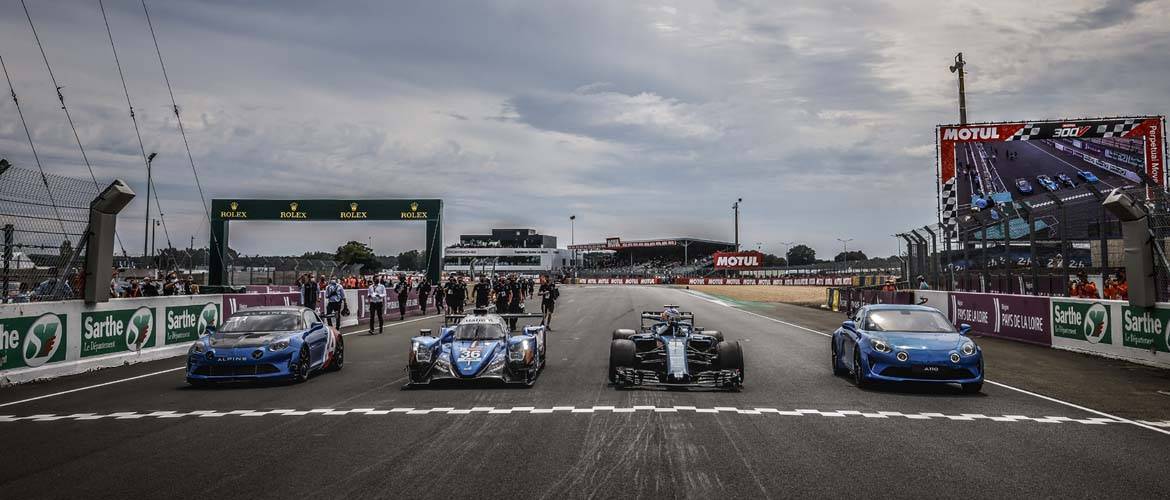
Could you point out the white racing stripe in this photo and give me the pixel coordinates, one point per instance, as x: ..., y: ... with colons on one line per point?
x: 160, y: 372
x: 1156, y: 427
x: 565, y: 410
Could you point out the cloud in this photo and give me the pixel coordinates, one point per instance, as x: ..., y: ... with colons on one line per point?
x: 643, y: 119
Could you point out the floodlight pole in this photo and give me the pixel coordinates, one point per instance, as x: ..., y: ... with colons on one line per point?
x: 149, y: 184
x: 573, y: 238
x: 735, y: 207
x: 958, y: 68
x: 845, y: 251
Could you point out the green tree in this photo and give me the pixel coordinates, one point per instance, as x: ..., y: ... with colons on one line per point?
x: 318, y: 255
x: 854, y: 256
x: 356, y: 252
x: 410, y: 261
x: 771, y: 260
x: 801, y: 255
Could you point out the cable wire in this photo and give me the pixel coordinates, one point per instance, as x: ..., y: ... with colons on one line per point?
x: 179, y: 120
x: 68, y: 116
x: 36, y: 157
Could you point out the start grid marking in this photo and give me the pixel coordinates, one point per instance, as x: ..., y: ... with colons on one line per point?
x: 489, y: 410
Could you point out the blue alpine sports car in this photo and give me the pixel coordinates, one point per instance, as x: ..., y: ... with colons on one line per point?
x: 284, y: 343
x: 906, y: 343
x: 479, y: 346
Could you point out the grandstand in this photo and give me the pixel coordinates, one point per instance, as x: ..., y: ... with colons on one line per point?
x: 651, y: 258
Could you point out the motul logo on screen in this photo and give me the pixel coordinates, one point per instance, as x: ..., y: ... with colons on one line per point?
x: 1070, y: 130
x: 971, y: 133
x: 738, y: 260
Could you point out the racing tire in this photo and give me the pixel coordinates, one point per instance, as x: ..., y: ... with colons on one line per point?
x: 623, y: 334
x: 730, y: 357
x: 858, y: 374
x: 338, y: 355
x: 303, y: 365
x: 621, y: 355
x: 838, y: 370
x: 973, y: 388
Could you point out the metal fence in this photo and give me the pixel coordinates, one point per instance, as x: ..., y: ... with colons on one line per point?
x: 258, y: 270
x: 42, y: 219
x: 1034, y: 248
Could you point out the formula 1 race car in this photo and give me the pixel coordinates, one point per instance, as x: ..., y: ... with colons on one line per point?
x: 265, y: 343
x: 479, y: 346
x: 672, y: 352
x: 1066, y: 180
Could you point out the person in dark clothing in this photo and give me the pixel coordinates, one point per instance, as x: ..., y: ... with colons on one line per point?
x: 548, y: 300
x: 424, y: 291
x: 309, y: 292
x: 515, y: 299
x: 502, y: 291
x: 440, y: 297
x: 483, y: 293
x: 456, y: 295
x: 531, y: 287
x: 402, y: 288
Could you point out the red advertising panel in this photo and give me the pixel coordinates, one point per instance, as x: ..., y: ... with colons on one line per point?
x: 994, y: 168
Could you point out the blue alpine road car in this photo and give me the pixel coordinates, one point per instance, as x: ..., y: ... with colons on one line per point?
x: 672, y: 352
x: 283, y: 343
x: 480, y: 346
x: 906, y: 343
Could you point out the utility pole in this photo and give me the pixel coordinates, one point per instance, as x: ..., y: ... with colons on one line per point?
x: 573, y: 239
x: 149, y: 184
x: 153, y: 251
x: 958, y: 68
x: 735, y: 207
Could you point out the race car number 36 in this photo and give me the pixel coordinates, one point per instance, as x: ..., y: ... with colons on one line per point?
x: 469, y: 355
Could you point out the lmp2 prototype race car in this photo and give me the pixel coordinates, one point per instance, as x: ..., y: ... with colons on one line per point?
x: 672, y: 352
x: 281, y: 343
x: 906, y: 343
x: 480, y: 346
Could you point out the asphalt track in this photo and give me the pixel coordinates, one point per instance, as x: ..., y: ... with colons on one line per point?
x: 794, y: 431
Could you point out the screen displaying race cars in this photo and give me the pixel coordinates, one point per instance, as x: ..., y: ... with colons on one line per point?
x: 990, y: 170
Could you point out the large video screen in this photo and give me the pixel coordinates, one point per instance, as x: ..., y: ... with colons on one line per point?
x: 991, y: 170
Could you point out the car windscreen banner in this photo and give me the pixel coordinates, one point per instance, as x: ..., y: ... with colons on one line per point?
x: 738, y: 260
x: 989, y: 170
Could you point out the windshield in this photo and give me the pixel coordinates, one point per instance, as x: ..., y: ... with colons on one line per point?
x: 908, y: 321
x: 479, y: 331
x: 245, y: 322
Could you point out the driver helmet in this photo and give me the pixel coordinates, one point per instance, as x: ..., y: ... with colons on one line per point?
x: 671, y: 314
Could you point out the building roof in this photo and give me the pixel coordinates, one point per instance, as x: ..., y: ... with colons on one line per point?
x: 619, y: 244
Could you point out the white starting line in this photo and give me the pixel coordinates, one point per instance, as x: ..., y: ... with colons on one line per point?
x: 571, y: 410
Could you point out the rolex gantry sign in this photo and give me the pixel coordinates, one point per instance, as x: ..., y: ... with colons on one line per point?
x: 224, y: 211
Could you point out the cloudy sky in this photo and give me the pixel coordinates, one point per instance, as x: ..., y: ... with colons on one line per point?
x: 645, y: 119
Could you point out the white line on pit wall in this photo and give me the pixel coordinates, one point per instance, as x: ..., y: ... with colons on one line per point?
x: 169, y: 370
x: 1005, y: 386
x: 569, y: 410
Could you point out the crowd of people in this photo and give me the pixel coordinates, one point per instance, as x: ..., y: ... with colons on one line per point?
x: 506, y: 293
x: 151, y: 286
x: 1116, y: 288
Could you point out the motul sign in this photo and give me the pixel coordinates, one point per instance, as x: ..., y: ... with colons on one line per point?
x: 738, y: 260
x: 971, y: 133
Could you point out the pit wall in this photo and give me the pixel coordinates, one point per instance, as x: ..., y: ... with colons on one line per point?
x: 857, y: 281
x: 1107, y: 328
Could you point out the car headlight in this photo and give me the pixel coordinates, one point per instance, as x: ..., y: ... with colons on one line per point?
x: 517, y: 351
x: 422, y: 354
x: 279, y: 345
x: 198, y: 347
x: 968, y: 349
x: 879, y: 345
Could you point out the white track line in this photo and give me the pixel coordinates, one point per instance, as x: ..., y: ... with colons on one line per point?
x: 1000, y: 384
x: 169, y: 370
x: 491, y: 410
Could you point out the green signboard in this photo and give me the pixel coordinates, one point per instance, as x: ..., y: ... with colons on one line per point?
x: 186, y: 323
x: 121, y: 330
x: 31, y: 341
x: 1145, y: 328
x: 1088, y: 321
x: 318, y: 210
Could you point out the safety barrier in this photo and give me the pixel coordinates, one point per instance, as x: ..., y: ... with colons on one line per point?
x: 1108, y: 328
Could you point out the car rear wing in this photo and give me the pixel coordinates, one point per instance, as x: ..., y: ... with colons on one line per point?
x: 454, y: 319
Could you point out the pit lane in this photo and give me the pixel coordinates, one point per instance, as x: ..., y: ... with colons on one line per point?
x: 329, y: 437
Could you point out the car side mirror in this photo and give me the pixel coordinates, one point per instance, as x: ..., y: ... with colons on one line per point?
x: 426, y: 332
x: 849, y: 325
x: 964, y: 329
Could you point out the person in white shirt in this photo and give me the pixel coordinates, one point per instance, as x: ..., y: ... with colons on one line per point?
x: 377, y: 299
